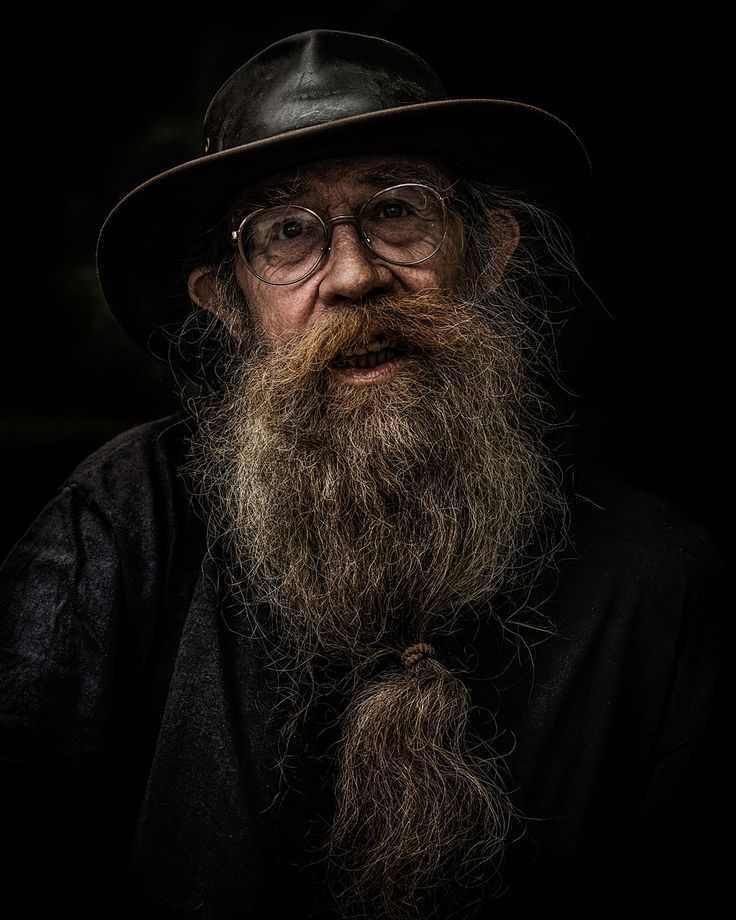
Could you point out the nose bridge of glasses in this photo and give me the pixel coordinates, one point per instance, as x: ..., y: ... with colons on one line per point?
x: 332, y: 222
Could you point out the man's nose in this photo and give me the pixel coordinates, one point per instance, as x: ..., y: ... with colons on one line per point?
x: 353, y: 271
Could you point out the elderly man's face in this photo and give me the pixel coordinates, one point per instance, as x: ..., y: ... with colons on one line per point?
x: 351, y: 272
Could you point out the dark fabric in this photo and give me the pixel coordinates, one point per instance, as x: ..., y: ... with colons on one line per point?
x: 139, y: 726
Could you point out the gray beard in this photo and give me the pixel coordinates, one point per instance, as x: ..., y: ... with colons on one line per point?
x: 368, y: 517
x: 371, y: 518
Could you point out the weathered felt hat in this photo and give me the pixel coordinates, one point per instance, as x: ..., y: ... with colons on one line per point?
x: 309, y: 97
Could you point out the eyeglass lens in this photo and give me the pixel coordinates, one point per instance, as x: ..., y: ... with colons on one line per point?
x: 403, y: 225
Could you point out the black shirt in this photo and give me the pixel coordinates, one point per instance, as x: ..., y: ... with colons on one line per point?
x: 139, y: 726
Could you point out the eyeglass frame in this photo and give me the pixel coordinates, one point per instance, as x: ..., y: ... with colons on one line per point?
x: 236, y: 236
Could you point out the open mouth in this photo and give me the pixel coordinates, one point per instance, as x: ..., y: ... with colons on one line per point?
x: 372, y: 354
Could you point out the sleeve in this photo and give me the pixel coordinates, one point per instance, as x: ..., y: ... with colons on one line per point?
x: 60, y: 596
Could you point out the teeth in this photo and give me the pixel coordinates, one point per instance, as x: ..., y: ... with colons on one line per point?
x: 370, y: 359
x: 377, y: 352
x: 378, y: 345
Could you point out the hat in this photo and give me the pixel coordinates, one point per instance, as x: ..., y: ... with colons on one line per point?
x: 308, y: 97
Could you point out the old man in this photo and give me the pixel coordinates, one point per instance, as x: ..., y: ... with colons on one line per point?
x: 350, y: 637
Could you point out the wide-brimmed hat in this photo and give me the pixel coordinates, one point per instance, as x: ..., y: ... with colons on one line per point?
x: 309, y: 97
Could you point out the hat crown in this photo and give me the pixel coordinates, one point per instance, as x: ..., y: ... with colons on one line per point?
x: 313, y: 78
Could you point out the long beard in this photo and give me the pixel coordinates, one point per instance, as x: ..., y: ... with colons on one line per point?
x: 369, y: 518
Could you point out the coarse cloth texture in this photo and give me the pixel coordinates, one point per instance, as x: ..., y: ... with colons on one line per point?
x: 139, y: 729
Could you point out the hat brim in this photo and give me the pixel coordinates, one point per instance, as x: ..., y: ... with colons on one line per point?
x: 148, y: 238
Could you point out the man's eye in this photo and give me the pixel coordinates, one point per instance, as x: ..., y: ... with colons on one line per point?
x: 393, y: 209
x: 290, y: 229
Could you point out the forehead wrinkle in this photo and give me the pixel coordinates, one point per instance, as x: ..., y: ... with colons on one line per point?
x: 375, y: 176
x: 372, y: 173
x: 397, y: 173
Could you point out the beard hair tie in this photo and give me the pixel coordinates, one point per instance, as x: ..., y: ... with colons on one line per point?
x: 414, y: 653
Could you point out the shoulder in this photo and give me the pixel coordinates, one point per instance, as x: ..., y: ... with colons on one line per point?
x: 128, y: 498
x: 119, y: 531
x: 639, y: 619
x: 617, y: 526
x: 156, y: 448
x: 137, y: 475
x: 641, y: 581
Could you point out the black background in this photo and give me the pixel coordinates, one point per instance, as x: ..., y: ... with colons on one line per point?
x: 95, y: 108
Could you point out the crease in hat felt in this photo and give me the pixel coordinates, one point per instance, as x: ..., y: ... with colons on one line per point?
x: 314, y: 96
x: 313, y: 78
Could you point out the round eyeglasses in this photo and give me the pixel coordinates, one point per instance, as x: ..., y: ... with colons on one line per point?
x: 405, y: 225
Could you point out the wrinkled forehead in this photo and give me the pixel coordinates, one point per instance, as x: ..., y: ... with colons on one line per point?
x: 347, y: 177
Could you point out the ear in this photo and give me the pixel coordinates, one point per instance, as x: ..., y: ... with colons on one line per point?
x: 201, y: 286
x: 507, y: 234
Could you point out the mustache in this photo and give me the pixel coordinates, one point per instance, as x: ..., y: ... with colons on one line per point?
x: 430, y: 322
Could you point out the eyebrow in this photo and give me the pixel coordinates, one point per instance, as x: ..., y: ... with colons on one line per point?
x: 283, y: 193
x: 391, y: 174
x: 396, y: 173
x: 440, y: 176
x: 286, y: 192
x: 277, y: 194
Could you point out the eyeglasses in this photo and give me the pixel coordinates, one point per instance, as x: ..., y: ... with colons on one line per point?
x: 405, y: 225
